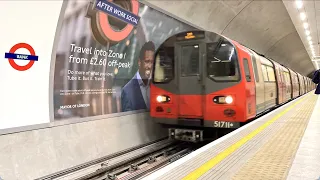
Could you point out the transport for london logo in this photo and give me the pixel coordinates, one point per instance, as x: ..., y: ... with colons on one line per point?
x: 12, y: 56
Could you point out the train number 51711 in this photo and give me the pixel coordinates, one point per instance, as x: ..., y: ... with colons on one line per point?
x: 224, y: 124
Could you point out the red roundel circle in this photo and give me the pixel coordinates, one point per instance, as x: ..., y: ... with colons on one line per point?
x: 14, y: 64
x: 111, y: 34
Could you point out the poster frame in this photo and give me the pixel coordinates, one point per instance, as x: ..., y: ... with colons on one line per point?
x: 52, y: 122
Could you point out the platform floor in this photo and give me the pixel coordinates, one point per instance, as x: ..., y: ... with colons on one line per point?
x: 280, y: 145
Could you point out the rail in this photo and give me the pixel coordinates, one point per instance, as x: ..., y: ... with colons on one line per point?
x: 101, y: 160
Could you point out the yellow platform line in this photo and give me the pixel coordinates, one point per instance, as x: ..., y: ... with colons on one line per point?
x: 215, y: 160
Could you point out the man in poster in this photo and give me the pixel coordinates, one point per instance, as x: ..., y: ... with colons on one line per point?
x: 135, y: 94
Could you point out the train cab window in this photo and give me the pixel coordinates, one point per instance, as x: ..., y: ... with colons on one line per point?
x: 271, y: 75
x: 246, y: 70
x: 190, y: 56
x: 164, y: 65
x: 264, y: 72
x: 222, y: 64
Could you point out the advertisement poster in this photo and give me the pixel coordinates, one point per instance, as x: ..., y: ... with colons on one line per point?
x: 105, y: 56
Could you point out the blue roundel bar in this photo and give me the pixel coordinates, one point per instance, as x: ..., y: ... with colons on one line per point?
x: 21, y: 56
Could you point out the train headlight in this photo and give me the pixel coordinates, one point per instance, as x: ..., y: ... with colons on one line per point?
x: 162, y: 99
x: 223, y: 99
x: 229, y: 99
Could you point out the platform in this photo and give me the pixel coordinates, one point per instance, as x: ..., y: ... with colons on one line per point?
x: 283, y: 144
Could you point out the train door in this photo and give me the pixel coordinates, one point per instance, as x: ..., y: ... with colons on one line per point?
x: 279, y: 84
x: 250, y: 87
x: 260, y: 86
x: 305, y: 84
x: 287, y: 85
x: 283, y: 85
x: 300, y: 85
x: 190, y: 87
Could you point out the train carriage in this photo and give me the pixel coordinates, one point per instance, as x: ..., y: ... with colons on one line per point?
x: 265, y: 82
x: 202, y: 80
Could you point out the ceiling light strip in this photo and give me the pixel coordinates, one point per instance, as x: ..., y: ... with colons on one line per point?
x: 306, y: 26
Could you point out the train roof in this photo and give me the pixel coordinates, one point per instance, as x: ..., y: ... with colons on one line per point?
x: 269, y: 58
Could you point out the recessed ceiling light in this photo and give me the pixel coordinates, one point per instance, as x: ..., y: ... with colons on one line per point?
x: 299, y: 4
x: 303, y: 16
x: 305, y: 25
x: 307, y: 32
x: 310, y: 42
x: 309, y: 38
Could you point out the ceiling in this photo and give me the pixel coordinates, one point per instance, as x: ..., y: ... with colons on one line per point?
x: 311, y: 23
x: 269, y: 27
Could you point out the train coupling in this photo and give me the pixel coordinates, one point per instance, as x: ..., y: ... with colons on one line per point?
x: 186, y: 135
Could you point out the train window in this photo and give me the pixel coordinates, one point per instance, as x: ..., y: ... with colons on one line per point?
x: 222, y: 61
x: 246, y: 70
x: 264, y: 72
x: 164, y: 65
x: 287, y: 78
x: 255, y: 68
x: 190, y: 57
x: 271, y: 75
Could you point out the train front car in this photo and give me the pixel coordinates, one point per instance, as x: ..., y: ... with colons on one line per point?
x: 202, y: 82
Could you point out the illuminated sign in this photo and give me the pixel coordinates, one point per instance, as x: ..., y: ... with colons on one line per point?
x: 189, y: 36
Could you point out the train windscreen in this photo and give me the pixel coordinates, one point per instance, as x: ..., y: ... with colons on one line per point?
x: 222, y: 64
x: 163, y: 70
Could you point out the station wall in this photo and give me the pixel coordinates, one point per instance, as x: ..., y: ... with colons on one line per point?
x: 56, y: 111
x: 33, y: 154
x: 93, y: 60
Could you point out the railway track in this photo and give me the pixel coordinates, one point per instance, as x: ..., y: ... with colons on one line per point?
x: 133, y: 163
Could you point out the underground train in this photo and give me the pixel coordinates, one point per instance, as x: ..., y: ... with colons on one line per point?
x: 203, y: 81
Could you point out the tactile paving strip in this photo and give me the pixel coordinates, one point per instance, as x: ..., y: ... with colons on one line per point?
x: 274, y: 159
x: 231, y: 164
